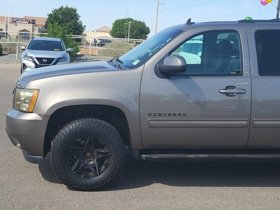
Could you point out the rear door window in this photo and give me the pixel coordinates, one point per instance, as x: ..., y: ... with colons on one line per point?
x: 268, y: 52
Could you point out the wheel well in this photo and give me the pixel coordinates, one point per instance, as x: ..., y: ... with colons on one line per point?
x: 64, y: 115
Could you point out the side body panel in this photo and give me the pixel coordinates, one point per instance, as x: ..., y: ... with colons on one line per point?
x: 188, y: 111
x: 118, y: 89
x: 265, y: 127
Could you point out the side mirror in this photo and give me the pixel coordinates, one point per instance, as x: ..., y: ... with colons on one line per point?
x: 22, y: 47
x: 172, y: 65
x: 69, y: 50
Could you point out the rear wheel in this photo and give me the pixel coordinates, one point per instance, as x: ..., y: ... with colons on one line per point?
x: 87, y: 154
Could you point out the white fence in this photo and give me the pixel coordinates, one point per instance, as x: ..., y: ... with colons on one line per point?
x: 11, y: 43
x: 83, y: 39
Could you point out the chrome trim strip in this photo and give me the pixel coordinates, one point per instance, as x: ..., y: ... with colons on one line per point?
x: 197, y: 124
x: 266, y: 123
x: 208, y: 156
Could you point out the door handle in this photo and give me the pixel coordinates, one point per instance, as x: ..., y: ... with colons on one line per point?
x: 232, y: 91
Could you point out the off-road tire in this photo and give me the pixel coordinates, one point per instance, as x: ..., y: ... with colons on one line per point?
x: 101, y: 133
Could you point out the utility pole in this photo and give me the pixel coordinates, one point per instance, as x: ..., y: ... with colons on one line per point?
x: 126, y: 13
x: 278, y: 8
x: 128, y: 34
x: 157, y: 16
x: 8, y: 27
x: 5, y: 29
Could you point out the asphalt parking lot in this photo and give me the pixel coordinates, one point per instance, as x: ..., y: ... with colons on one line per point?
x: 143, y: 185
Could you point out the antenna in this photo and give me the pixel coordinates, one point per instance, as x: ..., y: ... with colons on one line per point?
x: 189, y: 22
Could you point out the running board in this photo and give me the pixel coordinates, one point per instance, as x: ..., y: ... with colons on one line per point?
x: 208, y: 156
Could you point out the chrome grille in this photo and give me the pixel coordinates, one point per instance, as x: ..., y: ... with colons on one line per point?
x: 45, y: 61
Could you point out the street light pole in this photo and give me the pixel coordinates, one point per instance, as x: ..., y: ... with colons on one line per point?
x: 278, y: 8
x: 128, y: 34
x: 157, y: 17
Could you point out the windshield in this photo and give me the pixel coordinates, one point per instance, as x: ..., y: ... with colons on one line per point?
x: 46, y: 45
x: 143, y: 52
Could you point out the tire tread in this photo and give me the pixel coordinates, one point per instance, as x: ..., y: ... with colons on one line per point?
x: 86, y: 123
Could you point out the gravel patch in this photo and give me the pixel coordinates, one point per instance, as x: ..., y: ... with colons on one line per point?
x: 8, y: 59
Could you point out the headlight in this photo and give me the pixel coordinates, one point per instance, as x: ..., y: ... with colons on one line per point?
x: 63, y: 59
x: 25, y: 99
x: 25, y: 56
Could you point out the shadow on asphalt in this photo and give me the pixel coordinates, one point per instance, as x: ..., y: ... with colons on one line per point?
x: 218, y: 173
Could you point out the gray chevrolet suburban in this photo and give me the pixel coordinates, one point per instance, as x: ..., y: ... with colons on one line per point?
x: 166, y: 98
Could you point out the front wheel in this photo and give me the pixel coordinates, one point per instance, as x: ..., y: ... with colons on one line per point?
x: 87, y: 154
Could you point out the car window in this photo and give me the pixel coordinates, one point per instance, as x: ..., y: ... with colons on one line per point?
x: 143, y: 52
x: 191, y: 50
x: 268, y: 47
x: 212, y: 53
x: 46, y: 45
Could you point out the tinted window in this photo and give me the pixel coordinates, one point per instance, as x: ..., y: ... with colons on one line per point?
x: 143, y: 52
x: 212, y: 53
x: 46, y: 45
x: 268, y: 52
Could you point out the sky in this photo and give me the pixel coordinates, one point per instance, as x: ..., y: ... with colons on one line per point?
x: 95, y: 14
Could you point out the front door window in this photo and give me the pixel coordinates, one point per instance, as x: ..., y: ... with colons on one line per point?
x: 212, y: 53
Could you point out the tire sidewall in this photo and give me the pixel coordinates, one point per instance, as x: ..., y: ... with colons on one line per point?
x: 105, y: 133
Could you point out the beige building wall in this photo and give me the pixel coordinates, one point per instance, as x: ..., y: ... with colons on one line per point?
x: 15, y: 28
x: 90, y: 36
x: 2, y: 23
x: 22, y: 24
x: 2, y: 26
x: 100, y: 33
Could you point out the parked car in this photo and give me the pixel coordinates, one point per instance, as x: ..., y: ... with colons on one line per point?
x: 3, y: 34
x: 191, y: 51
x: 102, y: 42
x: 152, y: 102
x: 42, y: 52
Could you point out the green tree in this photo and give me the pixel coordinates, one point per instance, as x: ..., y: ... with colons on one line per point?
x: 55, y: 30
x: 63, y: 23
x: 68, y: 18
x: 138, y: 29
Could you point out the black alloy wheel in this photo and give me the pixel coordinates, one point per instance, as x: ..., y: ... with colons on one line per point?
x: 87, y: 154
x: 88, y: 157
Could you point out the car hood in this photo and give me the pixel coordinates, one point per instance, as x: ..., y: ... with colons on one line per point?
x: 62, y: 70
x: 45, y: 54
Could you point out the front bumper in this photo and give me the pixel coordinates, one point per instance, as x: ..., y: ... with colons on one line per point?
x: 27, y: 131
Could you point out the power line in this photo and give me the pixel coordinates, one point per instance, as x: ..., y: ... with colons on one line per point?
x: 196, y: 4
x: 191, y: 5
